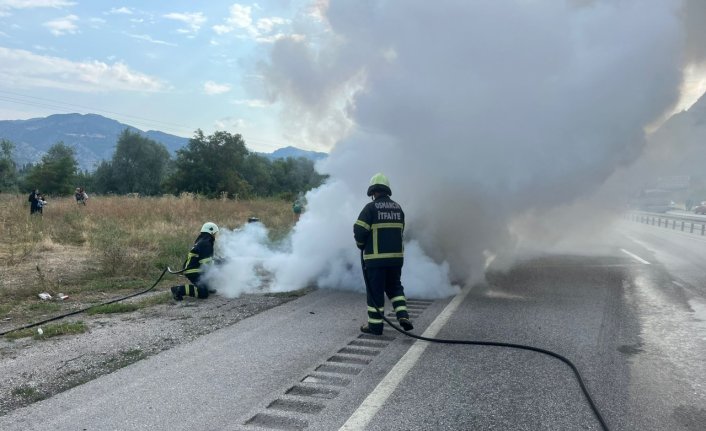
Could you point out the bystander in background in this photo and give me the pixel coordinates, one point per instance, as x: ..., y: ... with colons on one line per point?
x: 81, y: 196
x: 41, y: 203
x: 33, y: 201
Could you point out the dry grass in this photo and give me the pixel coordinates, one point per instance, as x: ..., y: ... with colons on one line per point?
x: 112, y: 245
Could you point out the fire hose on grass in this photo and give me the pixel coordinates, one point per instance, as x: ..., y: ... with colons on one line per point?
x: 490, y: 343
x: 122, y: 298
x: 61, y: 316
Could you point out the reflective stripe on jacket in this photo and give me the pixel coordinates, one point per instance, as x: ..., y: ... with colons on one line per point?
x: 378, y: 232
x: 200, y: 254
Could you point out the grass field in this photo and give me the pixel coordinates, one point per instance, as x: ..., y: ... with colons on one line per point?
x: 111, y: 246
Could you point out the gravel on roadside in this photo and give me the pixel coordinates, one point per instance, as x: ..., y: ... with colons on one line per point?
x: 32, y: 370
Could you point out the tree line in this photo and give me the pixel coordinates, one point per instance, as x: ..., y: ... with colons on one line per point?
x: 212, y: 166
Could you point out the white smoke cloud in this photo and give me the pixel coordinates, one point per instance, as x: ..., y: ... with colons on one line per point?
x: 243, y: 252
x: 320, y: 251
x: 481, y: 113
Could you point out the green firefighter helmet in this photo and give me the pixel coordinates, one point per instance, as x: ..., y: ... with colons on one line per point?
x: 379, y: 183
x: 209, y: 227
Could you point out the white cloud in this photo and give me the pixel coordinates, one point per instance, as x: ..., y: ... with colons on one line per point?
x: 267, y: 24
x: 97, y: 22
x: 148, y: 38
x: 120, y: 11
x: 31, y: 4
x: 252, y: 103
x: 222, y: 29
x: 23, y: 69
x: 279, y: 36
x: 240, y: 16
x: 230, y: 123
x: 240, y: 19
x: 194, y: 21
x: 212, y: 88
x: 317, y: 10
x: 62, y: 26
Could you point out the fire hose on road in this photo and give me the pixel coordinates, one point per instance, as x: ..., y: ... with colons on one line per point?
x: 419, y: 337
x: 491, y: 343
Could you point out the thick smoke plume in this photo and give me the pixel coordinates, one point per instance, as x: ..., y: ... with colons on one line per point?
x: 482, y: 114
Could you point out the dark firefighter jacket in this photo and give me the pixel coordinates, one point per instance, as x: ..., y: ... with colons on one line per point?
x: 378, y: 232
x: 200, y: 254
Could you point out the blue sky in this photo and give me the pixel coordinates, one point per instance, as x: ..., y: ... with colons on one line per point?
x: 176, y: 66
x: 173, y: 66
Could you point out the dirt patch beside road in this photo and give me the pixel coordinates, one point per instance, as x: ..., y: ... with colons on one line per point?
x: 35, y: 369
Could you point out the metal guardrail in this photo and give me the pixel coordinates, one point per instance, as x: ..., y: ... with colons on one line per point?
x: 683, y: 223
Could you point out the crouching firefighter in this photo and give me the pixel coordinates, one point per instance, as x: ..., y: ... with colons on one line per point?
x: 378, y: 233
x: 198, y: 259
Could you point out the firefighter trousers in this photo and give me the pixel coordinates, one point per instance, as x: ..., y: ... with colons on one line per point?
x: 383, y: 281
x: 196, y: 288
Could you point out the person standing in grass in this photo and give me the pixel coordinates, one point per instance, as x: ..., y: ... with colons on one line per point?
x: 199, y: 257
x: 297, y: 209
x: 41, y: 203
x: 81, y: 196
x: 33, y: 201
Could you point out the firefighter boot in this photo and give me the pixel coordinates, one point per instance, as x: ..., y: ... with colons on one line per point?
x: 366, y: 329
x: 405, y: 323
x: 178, y: 292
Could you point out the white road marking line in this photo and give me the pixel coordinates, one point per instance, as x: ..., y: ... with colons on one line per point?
x: 365, y: 412
x: 642, y: 244
x: 634, y: 256
x: 678, y: 284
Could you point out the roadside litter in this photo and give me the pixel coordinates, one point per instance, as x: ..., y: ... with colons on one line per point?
x: 44, y: 296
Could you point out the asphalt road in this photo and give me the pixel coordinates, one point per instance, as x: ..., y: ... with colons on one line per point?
x: 631, y: 320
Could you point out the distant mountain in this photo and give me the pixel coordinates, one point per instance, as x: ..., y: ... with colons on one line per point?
x: 94, y: 138
x: 294, y: 152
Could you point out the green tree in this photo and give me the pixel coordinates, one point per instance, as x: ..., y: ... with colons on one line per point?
x: 103, y: 178
x: 56, y: 174
x: 138, y: 165
x: 291, y: 176
x: 85, y: 180
x: 8, y: 168
x: 257, y: 171
x: 210, y: 165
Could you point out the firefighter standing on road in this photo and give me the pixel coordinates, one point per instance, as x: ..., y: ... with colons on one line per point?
x: 200, y: 256
x: 378, y: 233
